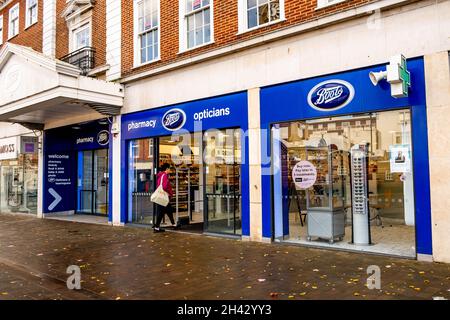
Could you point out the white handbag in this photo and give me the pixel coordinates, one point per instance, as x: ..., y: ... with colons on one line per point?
x: 160, y: 196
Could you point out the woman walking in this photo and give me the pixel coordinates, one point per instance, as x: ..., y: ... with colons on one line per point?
x: 163, y: 177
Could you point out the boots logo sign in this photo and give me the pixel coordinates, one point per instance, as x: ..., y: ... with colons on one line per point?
x: 103, y: 137
x: 331, y: 95
x: 174, y: 119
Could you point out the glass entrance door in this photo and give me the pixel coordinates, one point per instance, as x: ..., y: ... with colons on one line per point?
x: 222, y: 181
x: 93, y: 182
x: 141, y: 181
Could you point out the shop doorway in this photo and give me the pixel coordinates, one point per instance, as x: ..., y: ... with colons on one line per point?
x: 205, y: 179
x: 363, y: 170
x: 93, y: 182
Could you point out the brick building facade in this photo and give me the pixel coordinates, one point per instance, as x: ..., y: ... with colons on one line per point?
x: 28, y: 36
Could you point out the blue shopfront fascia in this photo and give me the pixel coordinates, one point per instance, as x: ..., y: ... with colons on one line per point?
x: 289, y: 102
x: 61, y: 146
x: 227, y: 111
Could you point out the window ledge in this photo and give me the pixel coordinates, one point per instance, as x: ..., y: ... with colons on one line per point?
x: 322, y: 6
x: 262, y: 26
x: 137, y: 66
x: 12, y: 37
x: 29, y: 26
x: 196, y: 47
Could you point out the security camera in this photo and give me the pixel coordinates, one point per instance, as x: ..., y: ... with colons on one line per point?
x: 376, y: 77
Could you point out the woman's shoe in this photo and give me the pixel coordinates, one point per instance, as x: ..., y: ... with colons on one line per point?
x: 156, y: 230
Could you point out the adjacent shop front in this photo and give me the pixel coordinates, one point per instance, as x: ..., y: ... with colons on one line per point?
x: 204, y: 143
x: 77, y: 169
x: 349, y: 162
x: 18, y: 174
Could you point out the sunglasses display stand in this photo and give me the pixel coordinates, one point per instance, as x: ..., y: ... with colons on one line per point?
x: 360, y: 195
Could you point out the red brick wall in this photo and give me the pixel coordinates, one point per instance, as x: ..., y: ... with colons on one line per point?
x: 32, y: 36
x: 62, y: 33
x: 98, y: 31
x: 225, y: 27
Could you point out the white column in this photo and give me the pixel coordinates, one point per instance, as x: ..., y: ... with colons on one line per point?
x: 113, y: 39
x: 254, y: 150
x: 116, y: 175
x: 437, y: 83
x: 40, y: 189
x: 49, y: 28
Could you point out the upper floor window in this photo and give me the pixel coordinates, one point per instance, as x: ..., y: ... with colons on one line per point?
x: 196, y: 23
x: 256, y: 13
x: 82, y: 37
x: 1, y: 30
x: 326, y: 3
x: 32, y: 12
x: 147, y: 31
x: 13, y: 28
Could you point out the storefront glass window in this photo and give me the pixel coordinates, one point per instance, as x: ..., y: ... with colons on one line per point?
x: 18, y: 184
x: 223, y: 183
x: 205, y: 178
x: 326, y: 171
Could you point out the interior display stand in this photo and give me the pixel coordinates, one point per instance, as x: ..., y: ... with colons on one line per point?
x: 325, y: 199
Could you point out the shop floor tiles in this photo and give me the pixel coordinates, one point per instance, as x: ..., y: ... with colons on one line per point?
x: 390, y: 239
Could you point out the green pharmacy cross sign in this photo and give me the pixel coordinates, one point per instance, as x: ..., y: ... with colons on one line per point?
x: 405, y: 76
x: 398, y: 76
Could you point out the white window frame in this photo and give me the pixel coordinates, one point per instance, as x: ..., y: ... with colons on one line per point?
x: 135, y: 149
x: 243, y: 19
x: 78, y: 29
x: 183, y: 43
x: 10, y: 35
x: 1, y: 29
x: 136, y: 40
x: 327, y: 3
x: 150, y: 148
x: 27, y: 15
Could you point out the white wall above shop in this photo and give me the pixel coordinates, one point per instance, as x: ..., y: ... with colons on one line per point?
x: 420, y: 28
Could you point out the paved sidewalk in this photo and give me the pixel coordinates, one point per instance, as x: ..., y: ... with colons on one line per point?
x: 134, y: 263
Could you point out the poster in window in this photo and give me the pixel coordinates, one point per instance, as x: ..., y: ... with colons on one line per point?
x: 304, y: 174
x: 400, y: 158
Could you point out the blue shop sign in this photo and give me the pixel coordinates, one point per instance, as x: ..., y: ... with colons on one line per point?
x: 213, y: 113
x: 331, y: 95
